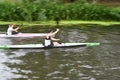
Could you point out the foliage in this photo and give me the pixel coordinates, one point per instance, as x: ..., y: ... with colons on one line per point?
x: 39, y: 10
x: 115, y: 13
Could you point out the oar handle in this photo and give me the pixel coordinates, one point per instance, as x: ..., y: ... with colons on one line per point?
x: 57, y: 20
x: 20, y: 25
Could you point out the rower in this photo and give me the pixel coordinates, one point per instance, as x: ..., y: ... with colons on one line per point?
x: 50, y: 40
x: 11, y: 31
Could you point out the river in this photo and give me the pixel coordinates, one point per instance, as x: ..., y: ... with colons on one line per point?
x: 82, y: 63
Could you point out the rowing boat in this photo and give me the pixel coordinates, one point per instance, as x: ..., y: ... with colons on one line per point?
x: 24, y: 35
x: 41, y: 46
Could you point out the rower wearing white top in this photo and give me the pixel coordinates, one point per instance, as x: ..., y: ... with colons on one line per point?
x: 50, y: 40
x: 11, y: 31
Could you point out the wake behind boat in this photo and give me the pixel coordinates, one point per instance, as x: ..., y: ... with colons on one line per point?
x: 41, y: 46
x: 24, y: 35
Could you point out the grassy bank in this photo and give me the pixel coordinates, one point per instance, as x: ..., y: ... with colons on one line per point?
x: 63, y: 22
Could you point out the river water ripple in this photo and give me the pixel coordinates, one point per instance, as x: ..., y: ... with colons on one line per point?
x: 82, y: 63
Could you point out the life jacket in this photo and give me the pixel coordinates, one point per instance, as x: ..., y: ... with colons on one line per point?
x: 47, y: 41
x: 9, y: 31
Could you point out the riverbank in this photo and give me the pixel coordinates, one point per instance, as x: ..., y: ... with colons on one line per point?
x: 63, y: 22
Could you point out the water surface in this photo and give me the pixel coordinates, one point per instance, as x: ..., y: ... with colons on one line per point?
x: 81, y: 63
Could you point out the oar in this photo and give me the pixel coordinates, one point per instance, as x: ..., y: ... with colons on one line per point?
x: 57, y: 19
x: 20, y: 25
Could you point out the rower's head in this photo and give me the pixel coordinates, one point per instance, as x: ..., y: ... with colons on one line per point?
x: 11, y: 25
x: 50, y: 31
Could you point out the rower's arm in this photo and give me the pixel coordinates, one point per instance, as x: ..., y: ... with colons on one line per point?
x: 54, y: 39
x: 56, y: 31
x: 16, y: 29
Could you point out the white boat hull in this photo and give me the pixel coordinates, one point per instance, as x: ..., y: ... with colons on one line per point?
x: 24, y: 35
x: 41, y: 46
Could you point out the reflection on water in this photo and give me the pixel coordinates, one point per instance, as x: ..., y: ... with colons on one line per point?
x: 82, y: 63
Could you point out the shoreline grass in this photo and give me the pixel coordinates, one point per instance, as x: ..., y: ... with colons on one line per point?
x: 62, y: 22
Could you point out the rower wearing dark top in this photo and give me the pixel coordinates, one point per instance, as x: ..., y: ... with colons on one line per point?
x: 50, y: 40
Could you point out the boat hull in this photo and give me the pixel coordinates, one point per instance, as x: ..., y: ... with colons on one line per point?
x: 41, y: 46
x: 24, y: 35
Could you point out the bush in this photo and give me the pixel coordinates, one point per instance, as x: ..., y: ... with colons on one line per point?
x: 39, y: 10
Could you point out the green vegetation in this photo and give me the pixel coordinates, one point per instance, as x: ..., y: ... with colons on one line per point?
x: 41, y: 10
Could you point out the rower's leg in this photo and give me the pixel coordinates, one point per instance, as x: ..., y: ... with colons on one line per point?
x: 55, y: 43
